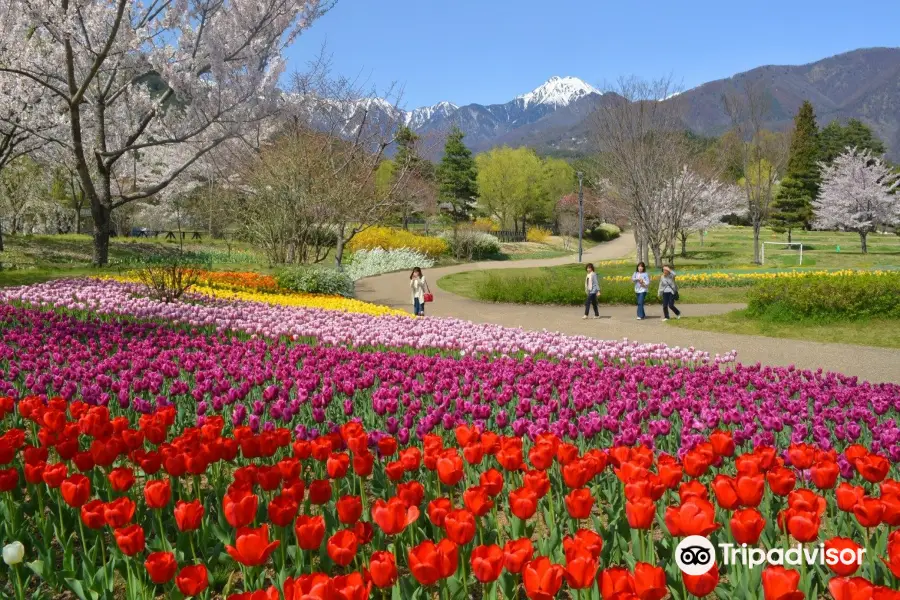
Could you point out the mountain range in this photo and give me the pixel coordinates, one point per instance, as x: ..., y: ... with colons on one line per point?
x: 863, y: 84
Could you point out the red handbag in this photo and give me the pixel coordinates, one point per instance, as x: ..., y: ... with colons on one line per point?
x: 429, y: 297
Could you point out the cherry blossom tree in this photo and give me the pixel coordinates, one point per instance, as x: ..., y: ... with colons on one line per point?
x: 855, y: 195
x: 705, y: 211
x: 143, y: 90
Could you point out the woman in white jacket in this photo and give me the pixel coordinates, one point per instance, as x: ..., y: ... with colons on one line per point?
x: 419, y: 288
x: 592, y: 289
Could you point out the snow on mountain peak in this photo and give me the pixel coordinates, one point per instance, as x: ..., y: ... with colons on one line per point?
x: 558, y: 91
x: 416, y: 118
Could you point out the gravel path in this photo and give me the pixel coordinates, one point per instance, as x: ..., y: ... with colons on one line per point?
x: 616, y: 322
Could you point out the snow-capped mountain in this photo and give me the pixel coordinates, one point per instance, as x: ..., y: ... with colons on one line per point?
x: 557, y: 91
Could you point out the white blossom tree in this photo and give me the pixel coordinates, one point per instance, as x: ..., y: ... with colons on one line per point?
x: 143, y: 89
x: 855, y: 195
x: 707, y: 200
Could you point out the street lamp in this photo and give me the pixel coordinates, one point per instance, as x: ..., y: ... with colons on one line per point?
x: 580, y: 212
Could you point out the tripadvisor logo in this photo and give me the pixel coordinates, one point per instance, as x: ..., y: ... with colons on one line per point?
x: 696, y: 555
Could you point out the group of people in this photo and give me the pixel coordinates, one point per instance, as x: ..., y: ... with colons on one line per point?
x: 667, y: 291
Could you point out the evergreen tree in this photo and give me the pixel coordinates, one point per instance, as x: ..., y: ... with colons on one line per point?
x: 457, y: 175
x: 835, y: 138
x: 792, y: 207
x: 407, y: 155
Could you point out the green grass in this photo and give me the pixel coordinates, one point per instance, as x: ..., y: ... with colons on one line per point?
x: 723, y: 250
x: 884, y: 333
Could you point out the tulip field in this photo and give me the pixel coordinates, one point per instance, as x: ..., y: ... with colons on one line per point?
x: 245, y: 443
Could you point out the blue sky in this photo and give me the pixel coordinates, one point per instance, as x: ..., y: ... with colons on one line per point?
x: 490, y: 51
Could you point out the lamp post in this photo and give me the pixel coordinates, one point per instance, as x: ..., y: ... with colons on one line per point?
x: 580, y: 213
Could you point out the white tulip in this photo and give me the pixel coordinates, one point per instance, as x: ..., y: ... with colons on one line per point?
x: 13, y: 553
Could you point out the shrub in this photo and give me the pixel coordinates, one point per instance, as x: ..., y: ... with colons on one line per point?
x: 469, y: 244
x: 485, y: 224
x: 553, y: 287
x: 367, y: 263
x: 316, y: 279
x: 848, y: 297
x: 539, y: 235
x: 387, y: 238
x: 604, y: 233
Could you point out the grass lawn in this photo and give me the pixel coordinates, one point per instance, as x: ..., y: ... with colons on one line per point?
x: 723, y: 250
x: 883, y: 333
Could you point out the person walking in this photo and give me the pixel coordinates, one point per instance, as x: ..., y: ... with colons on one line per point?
x: 641, y: 281
x: 419, y: 288
x: 592, y: 289
x: 668, y: 291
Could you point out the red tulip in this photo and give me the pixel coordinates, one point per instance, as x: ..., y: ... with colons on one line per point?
x: 542, y: 579
x: 722, y: 443
x: 53, y: 475
x: 239, y: 507
x: 157, y: 493
x: 352, y: 587
x: 337, y: 465
x: 121, y: 479
x: 310, y: 531
x: 387, y: 446
x: 584, y: 539
x: 802, y: 525
x: 516, y: 553
x: 430, y: 562
x: 383, y: 569
x: 579, y: 503
x: 726, y: 494
x: 842, y: 548
x: 807, y: 500
x: 781, y: 584
x: 319, y: 491
x: 393, y: 516
x: 848, y: 496
x: 449, y: 467
x: 824, y: 474
x: 851, y: 588
x: 872, y: 467
x: 869, y: 511
x: 192, y: 580
x: 119, y: 512
x: 492, y: 481
x: 487, y: 563
x: 649, y: 582
x: 252, y: 547
x: 282, y: 510
x: 523, y: 503
x: 188, y: 515
x: 362, y: 463
x: 781, y: 480
x: 747, y: 525
x: 693, y: 517
x: 702, y: 585
x: 395, y: 470
x: 438, y: 509
x: 478, y: 501
x: 460, y: 527
x: 161, y: 567
x: 640, y: 513
x: 93, y: 514
x: 349, y: 509
x: 76, y: 490
x: 581, y: 568
x: 615, y: 581
x: 130, y: 539
x: 801, y: 455
x: 342, y: 547
x: 893, y: 553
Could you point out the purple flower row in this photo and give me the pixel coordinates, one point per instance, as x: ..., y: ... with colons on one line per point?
x: 267, y: 383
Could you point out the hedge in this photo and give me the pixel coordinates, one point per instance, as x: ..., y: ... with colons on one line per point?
x: 848, y: 297
x: 316, y: 280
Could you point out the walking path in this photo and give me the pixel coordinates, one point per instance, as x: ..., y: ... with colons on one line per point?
x: 616, y: 322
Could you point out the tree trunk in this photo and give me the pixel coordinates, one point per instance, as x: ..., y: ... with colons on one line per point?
x: 101, y: 215
x: 756, y: 258
x: 862, y: 241
x: 789, y: 235
x: 339, y: 251
x: 524, y: 226
x: 684, y: 238
x: 78, y: 220
x: 1, y: 236
x: 657, y: 256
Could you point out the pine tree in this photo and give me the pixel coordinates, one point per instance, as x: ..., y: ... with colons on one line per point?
x: 457, y: 175
x: 835, y: 138
x: 792, y: 207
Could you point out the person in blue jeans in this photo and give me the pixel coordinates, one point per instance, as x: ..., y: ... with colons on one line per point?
x: 641, y: 281
x: 419, y: 288
x: 668, y: 291
x: 592, y: 289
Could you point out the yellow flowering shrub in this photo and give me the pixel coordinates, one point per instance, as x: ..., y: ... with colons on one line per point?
x: 485, y: 224
x: 538, y: 235
x: 388, y: 238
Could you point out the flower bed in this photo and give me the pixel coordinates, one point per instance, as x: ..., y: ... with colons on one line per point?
x: 688, y: 279
x: 338, y: 327
x: 368, y: 263
x: 387, y: 238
